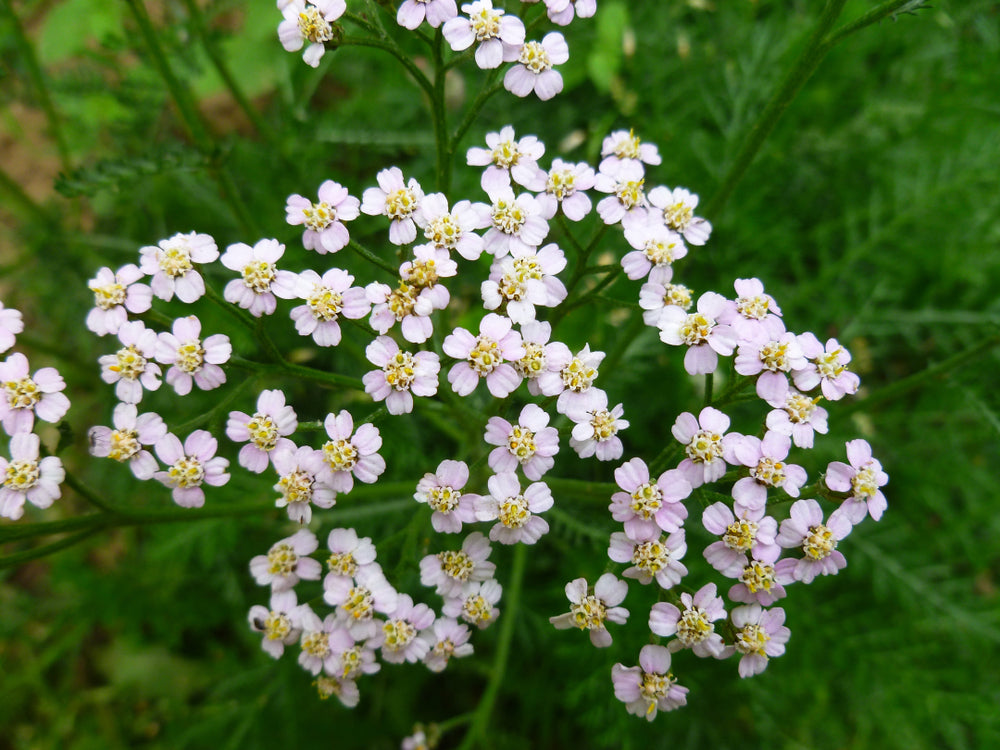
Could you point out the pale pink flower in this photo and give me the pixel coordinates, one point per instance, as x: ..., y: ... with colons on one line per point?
x: 530, y: 444
x: 171, y: 264
x: 486, y: 356
x: 116, y: 294
x: 348, y: 554
x: 658, y: 293
x: 190, y: 465
x: 862, y: 479
x: 589, y: 611
x: 766, y: 459
x: 676, y: 207
x: 351, y: 454
x: 477, y: 603
x: 747, y: 531
x: 11, y: 324
x: 760, y: 634
x: 287, y: 562
x: 451, y: 230
x: 278, y: 623
x: 576, y: 381
x: 496, y: 32
x: 700, y: 332
x: 327, y: 299
x: 649, y: 687
x: 400, y: 635
x: 413, y: 12
x: 515, y: 512
x: 625, y: 146
x: 132, y: 367
x: 561, y: 12
x: 515, y: 223
x: 627, y: 195
x: 656, y: 557
x: 192, y: 359
x: 265, y: 430
x: 805, y: 530
x: 324, y: 221
x: 525, y: 281
x: 565, y: 184
x: 24, y: 396
x: 319, y: 652
x: 401, y: 375
x: 442, y: 491
x: 692, y: 626
x: 757, y: 581
x: 753, y: 310
x: 450, y: 570
x: 261, y: 281
x: 125, y: 442
x: 707, y: 446
x: 794, y: 414
x: 769, y: 352
x: 827, y: 368
x: 309, y: 22
x: 596, y: 429
x: 543, y: 361
x: 397, y: 199
x: 646, y: 507
x: 430, y: 264
x: 506, y: 157
x: 359, y: 599
x: 400, y: 305
x: 655, y: 247
x: 303, y: 481
x: 26, y: 477
x: 448, y: 639
x: 534, y: 71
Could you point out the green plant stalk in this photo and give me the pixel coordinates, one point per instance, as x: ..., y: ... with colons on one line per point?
x: 439, y: 117
x: 372, y: 258
x: 308, y: 373
x: 490, y: 87
x: 875, y: 15
x: 27, y: 51
x: 389, y: 46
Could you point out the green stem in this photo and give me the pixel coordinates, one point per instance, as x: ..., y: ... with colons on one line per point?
x: 489, y: 89
x: 308, y: 373
x: 875, y: 15
x: 439, y: 118
x: 372, y: 258
x: 89, y: 495
x: 389, y: 46
x: 709, y: 380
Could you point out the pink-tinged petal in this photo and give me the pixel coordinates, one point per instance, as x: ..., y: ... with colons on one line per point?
x: 663, y: 619
x: 859, y: 452
x: 685, y: 428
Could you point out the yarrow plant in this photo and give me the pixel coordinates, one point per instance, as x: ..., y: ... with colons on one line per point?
x: 385, y: 334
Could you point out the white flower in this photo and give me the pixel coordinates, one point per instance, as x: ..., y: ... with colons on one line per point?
x: 534, y: 70
x: 401, y: 372
x: 261, y: 281
x: 309, y: 22
x: 498, y: 34
x: 26, y: 477
x: 193, y: 360
x: 115, y: 295
x: 328, y: 297
x: 397, y: 199
x: 506, y: 157
x: 132, y: 368
x: 171, y: 264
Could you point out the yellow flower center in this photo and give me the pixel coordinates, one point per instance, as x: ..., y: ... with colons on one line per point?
x: 630, y: 193
x: 313, y: 26
x: 281, y: 560
x: 757, y: 576
x: 399, y: 371
x: 402, y: 299
x: 296, y: 487
x: 277, y: 626
x: 628, y: 148
x: 443, y: 499
x: 508, y: 217
x: 646, y: 500
x: 399, y: 204
x: 819, y: 543
x: 341, y: 454
x: 22, y: 394
x: 521, y: 443
x: 589, y: 614
x: 422, y: 273
x: 829, y: 366
x: 561, y: 183
x: 693, y: 626
x: 258, y: 275
x: 704, y: 447
x: 800, y: 408
x: 485, y: 356
x: 359, y: 603
x: 753, y: 307
x: 661, y: 253
x: 130, y: 363
x: 477, y: 610
x: 577, y: 376
x: 769, y: 472
x: 21, y: 475
x: 535, y: 58
x: 175, y: 260
x: 695, y: 329
x: 319, y: 216
x: 752, y: 639
x: 774, y: 356
x: 342, y: 563
x: 263, y: 431
x: 486, y: 23
x: 124, y: 444
x: 456, y: 564
x: 324, y: 303
x: 109, y: 295
x: 864, y: 483
x: 505, y: 154
x: 604, y: 425
x: 316, y: 644
x: 186, y: 472
x: 677, y: 294
x: 398, y: 634
x: 678, y: 216
x: 741, y: 535
x: 651, y: 556
x: 532, y: 363
x: 513, y: 512
x: 443, y: 231
x: 190, y: 356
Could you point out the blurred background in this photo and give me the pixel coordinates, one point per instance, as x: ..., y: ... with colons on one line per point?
x: 871, y: 214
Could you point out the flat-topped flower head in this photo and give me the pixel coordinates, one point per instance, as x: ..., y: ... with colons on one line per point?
x: 486, y: 356
x: 794, y: 414
x: 398, y: 199
x: 351, y: 454
x: 691, y: 625
x: 700, y: 332
x: 324, y: 220
x: 507, y: 157
x: 522, y: 282
x: 327, y: 298
x: 132, y: 367
x: 646, y: 507
x: 543, y: 361
x: 760, y: 635
x: 264, y: 431
x: 191, y: 359
x: 649, y: 687
x: 348, y: 554
x: 309, y: 22
x: 577, y: 378
x: 515, y: 512
x: 24, y: 396
x: 589, y: 609
x: 861, y: 479
x: 654, y: 558
x: 11, y: 324
x: 597, y: 427
x: 658, y: 293
x: 412, y: 13
x: 287, y: 562
x: 450, y: 570
x: 827, y: 368
x: 626, y: 184
x: 448, y: 639
x: 496, y: 32
x: 171, y: 263
x: 534, y: 71
x: 261, y: 281
x: 655, y: 245
x: 565, y: 184
x: 278, y: 623
x: 515, y: 223
x: 442, y: 491
x: 477, y: 603
x: 746, y: 532
x: 805, y: 530
x: 27, y: 477
x: 530, y: 444
x: 125, y: 442
x: 677, y: 210
x: 706, y: 444
x: 400, y: 636
x: 624, y: 146
x: 116, y: 294
x: 768, y: 468
x: 401, y: 375
x: 451, y: 230
x: 359, y: 599
x: 191, y: 465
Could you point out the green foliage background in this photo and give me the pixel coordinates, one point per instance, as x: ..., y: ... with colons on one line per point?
x: 870, y: 214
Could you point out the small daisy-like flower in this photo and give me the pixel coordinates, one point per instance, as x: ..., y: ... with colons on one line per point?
x: 542, y: 362
x: 11, y: 324
x: 309, y: 22
x: 861, y: 479
x: 400, y: 636
x: 657, y: 558
x: 324, y: 221
x: 304, y: 481
x: 442, y: 491
x: 477, y: 603
x: 125, y: 442
x: 515, y: 512
x: 287, y: 562
x: 658, y: 293
x: 399, y: 200
x: 525, y: 281
x: 589, y: 610
x: 451, y: 230
x: 450, y: 570
x: 351, y: 454
x: 627, y: 194
x: 677, y: 209
x: 766, y: 459
x: 355, y: 657
x: 565, y: 184
x: 749, y: 532
x: 318, y: 640
x: 171, y: 264
x: 707, y: 446
x: 265, y: 430
x: 506, y: 157
x: 561, y: 12
x: 769, y: 352
x: 757, y: 583
x: 132, y: 368
x: 24, y: 396
x: 190, y: 465
x: 530, y: 444
x: 496, y: 32
x: 413, y: 12
x: 348, y: 554
x: 261, y: 281
x: 645, y: 507
x: 534, y: 70
x: 430, y: 264
x: 401, y: 375
x: 448, y: 639
x: 760, y: 634
x: 625, y: 146
x: 576, y: 380
x: 390, y: 306
x: 116, y: 294
x: 515, y: 223
x: 700, y: 331
x: 649, y: 687
x: 193, y: 360
x: 596, y: 429
x: 488, y: 356
x: 794, y: 414
x: 359, y: 599
x: 278, y: 623
x: 655, y: 247
x: 753, y: 310
x: 327, y: 299
x: 692, y: 626
x: 805, y: 530
x: 827, y: 368
x: 26, y: 477
x: 345, y: 690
